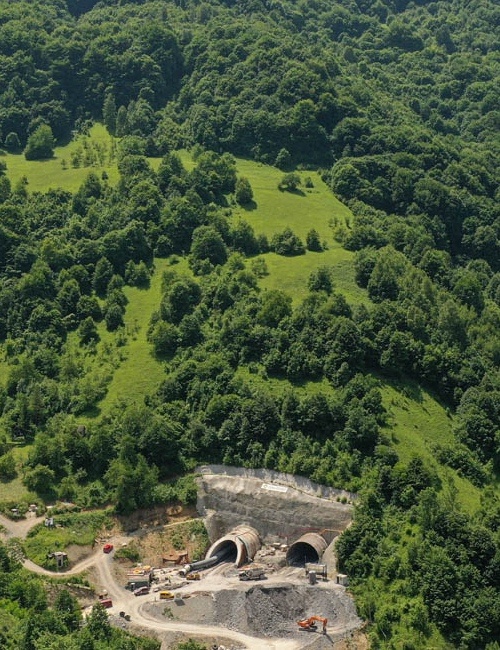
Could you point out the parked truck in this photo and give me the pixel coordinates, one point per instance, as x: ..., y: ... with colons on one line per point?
x: 106, y: 602
x: 252, y: 573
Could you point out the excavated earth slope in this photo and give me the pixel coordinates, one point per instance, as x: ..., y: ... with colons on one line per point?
x: 279, y: 506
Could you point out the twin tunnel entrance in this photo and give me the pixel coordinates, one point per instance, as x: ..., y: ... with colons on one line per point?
x: 308, y: 548
x: 241, y: 544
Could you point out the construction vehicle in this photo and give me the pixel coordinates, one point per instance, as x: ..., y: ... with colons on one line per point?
x: 106, y: 602
x: 314, y: 571
x: 132, y: 585
x: 252, y: 573
x: 309, y: 624
x: 193, y: 576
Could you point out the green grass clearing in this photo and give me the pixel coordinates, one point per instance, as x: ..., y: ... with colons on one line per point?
x: 290, y: 274
x: 316, y: 207
x: 140, y: 372
x: 417, y: 423
x: 278, y: 386
x: 97, y: 155
x: 14, y: 491
x: 74, y: 528
x: 273, y: 209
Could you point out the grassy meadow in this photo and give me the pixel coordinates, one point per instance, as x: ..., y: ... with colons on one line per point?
x: 417, y: 423
x: 13, y: 490
x: 78, y: 529
x: 139, y: 373
x: 272, y: 209
x: 309, y: 207
x: 94, y: 152
x: 291, y: 274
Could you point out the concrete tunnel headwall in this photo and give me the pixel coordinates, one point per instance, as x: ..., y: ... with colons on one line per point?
x: 308, y: 548
x: 238, y: 546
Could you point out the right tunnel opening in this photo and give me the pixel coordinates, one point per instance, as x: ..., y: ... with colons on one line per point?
x: 308, y: 549
x: 299, y: 554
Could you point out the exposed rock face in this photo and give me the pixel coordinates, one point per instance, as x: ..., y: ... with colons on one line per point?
x: 281, y: 507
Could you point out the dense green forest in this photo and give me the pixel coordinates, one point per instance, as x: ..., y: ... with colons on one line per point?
x: 397, y: 105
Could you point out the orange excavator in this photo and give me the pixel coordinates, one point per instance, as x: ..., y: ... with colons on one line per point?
x: 309, y: 624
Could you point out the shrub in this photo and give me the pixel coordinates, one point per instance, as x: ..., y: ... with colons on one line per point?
x: 290, y: 182
x: 40, y: 144
x: 321, y: 280
x: 8, y: 467
x: 243, y: 191
x: 313, y: 242
x: 129, y: 552
x: 287, y: 243
x: 12, y: 142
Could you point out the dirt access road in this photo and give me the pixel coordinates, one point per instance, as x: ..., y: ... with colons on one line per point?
x: 20, y: 528
x: 219, y: 608
x: 124, y: 600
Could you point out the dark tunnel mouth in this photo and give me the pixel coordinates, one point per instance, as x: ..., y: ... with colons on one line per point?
x: 226, y: 550
x: 300, y: 553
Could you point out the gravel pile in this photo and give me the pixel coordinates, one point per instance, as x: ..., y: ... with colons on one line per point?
x: 267, y: 610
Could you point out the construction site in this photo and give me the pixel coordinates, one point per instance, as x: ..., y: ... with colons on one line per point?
x: 265, y: 578
x: 269, y: 577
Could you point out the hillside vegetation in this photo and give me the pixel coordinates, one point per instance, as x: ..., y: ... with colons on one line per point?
x: 261, y: 234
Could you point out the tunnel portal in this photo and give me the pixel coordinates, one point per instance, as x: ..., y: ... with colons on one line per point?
x: 238, y: 546
x: 308, y: 548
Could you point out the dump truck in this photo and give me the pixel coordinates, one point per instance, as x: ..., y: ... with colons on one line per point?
x: 252, y: 573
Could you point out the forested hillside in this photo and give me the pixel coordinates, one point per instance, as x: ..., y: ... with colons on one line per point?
x: 395, y: 106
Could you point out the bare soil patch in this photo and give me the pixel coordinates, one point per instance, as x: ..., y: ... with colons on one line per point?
x: 77, y: 553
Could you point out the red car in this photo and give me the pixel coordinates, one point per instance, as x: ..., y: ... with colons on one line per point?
x: 106, y: 602
x: 107, y: 548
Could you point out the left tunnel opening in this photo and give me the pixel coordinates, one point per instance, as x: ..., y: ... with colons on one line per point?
x: 239, y: 546
x: 225, y: 550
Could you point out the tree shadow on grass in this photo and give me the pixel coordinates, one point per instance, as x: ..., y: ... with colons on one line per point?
x: 250, y: 206
x: 295, y: 192
x: 91, y: 413
x: 407, y: 388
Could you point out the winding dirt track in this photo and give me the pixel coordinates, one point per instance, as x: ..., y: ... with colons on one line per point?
x: 123, y: 600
